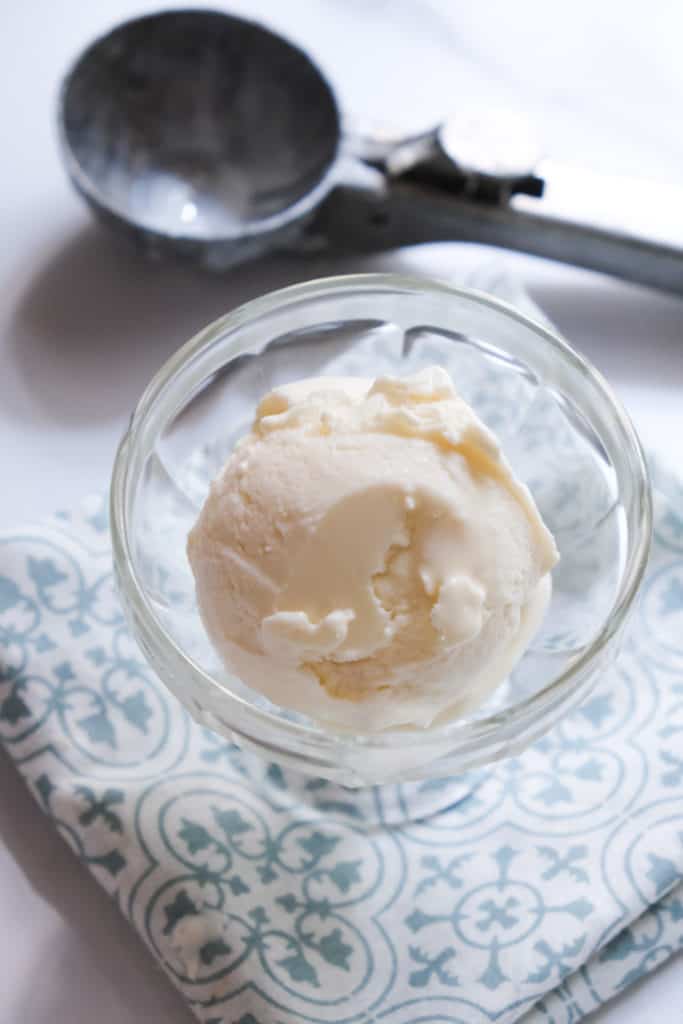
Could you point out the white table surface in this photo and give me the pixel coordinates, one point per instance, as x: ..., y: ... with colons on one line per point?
x: 83, y: 324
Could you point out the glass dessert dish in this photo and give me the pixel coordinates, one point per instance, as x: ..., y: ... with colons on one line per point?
x: 564, y: 433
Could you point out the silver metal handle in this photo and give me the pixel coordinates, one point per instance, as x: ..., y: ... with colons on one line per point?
x: 476, y: 179
x: 360, y: 219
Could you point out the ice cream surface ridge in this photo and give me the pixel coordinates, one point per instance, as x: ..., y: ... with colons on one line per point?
x: 366, y: 555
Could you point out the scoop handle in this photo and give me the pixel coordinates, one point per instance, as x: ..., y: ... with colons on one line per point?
x: 392, y: 213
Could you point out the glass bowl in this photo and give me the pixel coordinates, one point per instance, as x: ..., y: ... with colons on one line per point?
x: 559, y: 424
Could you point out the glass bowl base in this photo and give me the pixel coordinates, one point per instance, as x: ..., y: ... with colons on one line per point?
x: 391, y: 804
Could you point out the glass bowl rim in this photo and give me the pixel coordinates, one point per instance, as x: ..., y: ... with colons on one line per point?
x: 470, y: 730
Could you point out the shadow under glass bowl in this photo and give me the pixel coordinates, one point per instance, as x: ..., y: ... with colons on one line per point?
x: 562, y: 429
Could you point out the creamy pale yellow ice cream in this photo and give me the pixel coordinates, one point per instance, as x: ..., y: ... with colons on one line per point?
x: 366, y: 555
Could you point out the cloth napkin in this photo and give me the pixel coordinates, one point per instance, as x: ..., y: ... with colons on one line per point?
x: 552, y: 884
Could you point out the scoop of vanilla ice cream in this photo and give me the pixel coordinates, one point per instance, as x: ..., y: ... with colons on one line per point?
x: 366, y: 555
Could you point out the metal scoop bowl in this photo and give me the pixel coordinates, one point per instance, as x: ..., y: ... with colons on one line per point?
x: 201, y: 133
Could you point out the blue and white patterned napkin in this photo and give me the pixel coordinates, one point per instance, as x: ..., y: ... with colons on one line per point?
x: 552, y: 886
x: 556, y: 882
